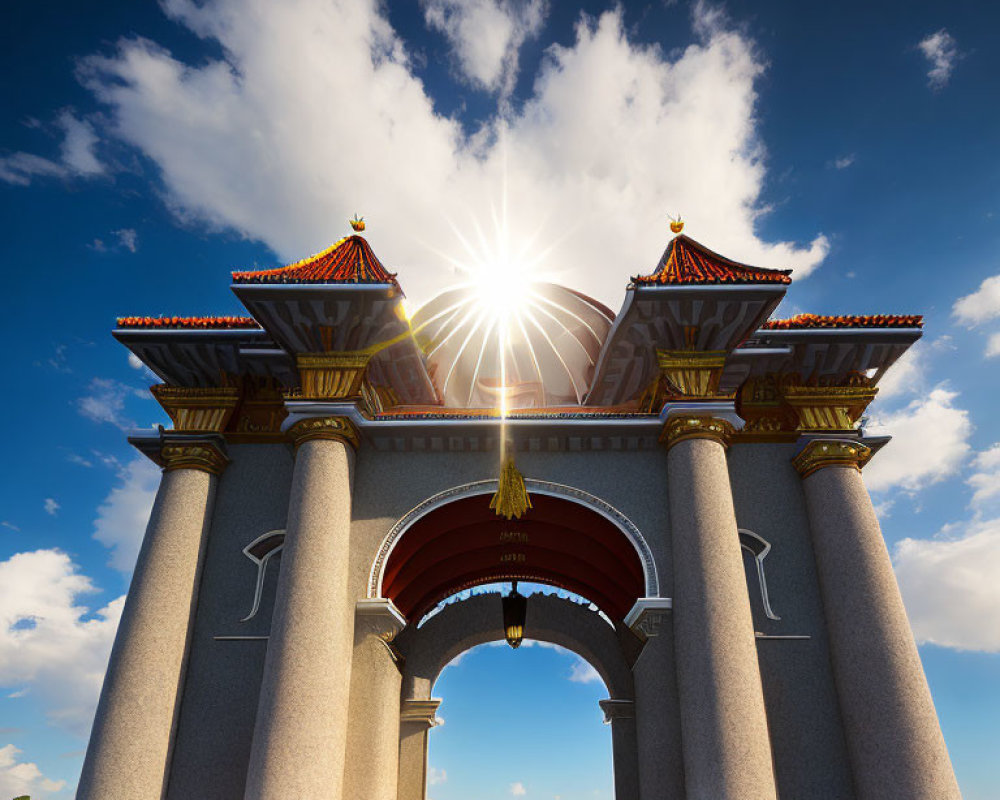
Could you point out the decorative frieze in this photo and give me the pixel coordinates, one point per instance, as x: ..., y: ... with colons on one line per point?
x: 202, y: 456
x: 197, y: 409
x: 339, y: 429
x: 821, y: 453
x: 696, y: 426
x: 332, y: 376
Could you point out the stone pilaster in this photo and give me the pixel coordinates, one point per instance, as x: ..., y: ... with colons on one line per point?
x: 620, y: 714
x: 726, y: 746
x: 657, y: 713
x: 892, y: 731
x: 300, y: 736
x: 130, y: 743
x: 372, y: 766
x: 416, y: 718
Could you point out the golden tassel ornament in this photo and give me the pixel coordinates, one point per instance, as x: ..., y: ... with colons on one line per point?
x: 511, y: 498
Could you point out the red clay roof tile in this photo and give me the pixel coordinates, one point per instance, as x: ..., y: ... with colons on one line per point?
x: 808, y: 321
x: 685, y: 261
x: 187, y: 322
x: 350, y: 260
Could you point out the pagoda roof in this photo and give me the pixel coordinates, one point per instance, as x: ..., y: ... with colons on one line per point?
x: 686, y: 262
x: 187, y: 323
x: 814, y: 321
x: 350, y: 260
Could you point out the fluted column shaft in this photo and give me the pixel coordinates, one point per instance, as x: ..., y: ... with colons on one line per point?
x: 131, y: 738
x: 893, y: 735
x: 727, y: 751
x: 301, y: 730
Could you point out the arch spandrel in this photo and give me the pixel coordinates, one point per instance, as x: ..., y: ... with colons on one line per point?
x: 581, y: 543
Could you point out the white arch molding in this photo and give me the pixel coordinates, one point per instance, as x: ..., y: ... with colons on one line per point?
x: 534, y: 486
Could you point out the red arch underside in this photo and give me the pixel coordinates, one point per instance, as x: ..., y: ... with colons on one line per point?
x: 558, y: 542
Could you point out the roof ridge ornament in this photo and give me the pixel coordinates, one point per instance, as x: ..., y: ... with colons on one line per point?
x: 357, y: 224
x: 676, y: 225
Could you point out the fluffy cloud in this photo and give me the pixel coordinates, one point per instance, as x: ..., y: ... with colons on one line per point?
x: 320, y: 96
x: 51, y: 507
x: 105, y: 402
x: 950, y: 588
x: 486, y: 35
x: 48, y: 640
x: 517, y: 789
x: 941, y: 52
x: 23, y: 777
x: 583, y: 672
x: 980, y: 306
x: 904, y: 377
x: 930, y: 442
x: 122, y: 517
x: 986, y: 480
x: 77, y: 156
x: 436, y: 776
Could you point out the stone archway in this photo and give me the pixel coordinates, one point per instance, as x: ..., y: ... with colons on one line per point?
x: 459, y: 626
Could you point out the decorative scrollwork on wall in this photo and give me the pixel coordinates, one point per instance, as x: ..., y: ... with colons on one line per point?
x: 260, y: 551
x: 758, y: 547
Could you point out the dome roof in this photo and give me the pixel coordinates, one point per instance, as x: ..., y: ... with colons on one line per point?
x: 551, y: 344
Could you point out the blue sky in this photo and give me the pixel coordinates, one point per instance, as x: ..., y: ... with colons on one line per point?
x: 146, y: 150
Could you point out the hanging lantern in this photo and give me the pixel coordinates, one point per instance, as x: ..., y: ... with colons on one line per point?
x: 515, y: 608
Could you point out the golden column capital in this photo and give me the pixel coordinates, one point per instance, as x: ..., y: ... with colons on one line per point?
x: 820, y: 453
x: 696, y: 426
x: 334, y: 375
x: 203, y: 456
x: 196, y: 409
x: 692, y: 374
x: 337, y: 429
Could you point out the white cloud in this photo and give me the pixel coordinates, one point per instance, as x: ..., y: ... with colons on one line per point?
x: 614, y: 135
x: 986, y: 480
x: 10, y: 525
x: 486, y: 35
x: 980, y: 306
x: 904, y: 377
x: 106, y: 402
x: 134, y: 361
x: 49, y: 641
x: 24, y: 777
x: 843, y: 162
x: 77, y: 157
x: 930, y: 442
x: 993, y: 345
x: 75, y: 458
x: 51, y: 507
x: 128, y: 238
x: 122, y: 517
x: 950, y: 588
x: 941, y: 52
x: 436, y: 776
x: 517, y: 789
x: 583, y: 672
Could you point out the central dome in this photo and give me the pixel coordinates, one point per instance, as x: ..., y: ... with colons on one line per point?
x: 550, y: 346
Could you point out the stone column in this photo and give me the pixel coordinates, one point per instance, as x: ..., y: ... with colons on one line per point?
x: 416, y: 718
x: 372, y: 767
x: 727, y: 750
x: 130, y: 743
x: 620, y: 714
x: 300, y: 736
x: 892, y: 731
x: 657, y: 717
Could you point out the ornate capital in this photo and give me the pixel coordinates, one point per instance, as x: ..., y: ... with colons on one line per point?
x: 380, y: 617
x: 648, y: 615
x: 202, y: 456
x: 780, y: 404
x: 420, y: 711
x: 197, y: 409
x: 692, y: 374
x: 829, y: 408
x: 617, y: 709
x: 696, y: 426
x: 332, y: 376
x: 821, y: 453
x: 338, y: 429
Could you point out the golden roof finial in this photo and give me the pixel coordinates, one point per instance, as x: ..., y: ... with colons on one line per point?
x: 358, y: 223
x: 676, y: 225
x: 511, y: 498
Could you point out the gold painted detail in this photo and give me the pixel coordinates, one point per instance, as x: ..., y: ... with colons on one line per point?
x: 773, y: 404
x: 513, y: 537
x: 696, y: 426
x: 260, y: 413
x: 761, y: 403
x: 197, y: 409
x: 821, y: 453
x: 692, y: 374
x: 831, y: 408
x: 513, y: 558
x: 511, y: 498
x: 201, y: 456
x: 332, y: 376
x: 337, y: 429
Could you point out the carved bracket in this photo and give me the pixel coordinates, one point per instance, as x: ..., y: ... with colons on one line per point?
x: 197, y: 409
x: 648, y: 615
x: 692, y: 374
x: 332, y: 376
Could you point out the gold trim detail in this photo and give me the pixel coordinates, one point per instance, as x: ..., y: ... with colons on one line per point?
x: 829, y: 408
x: 511, y: 498
x: 696, y: 426
x: 774, y: 404
x: 201, y: 456
x: 197, y: 409
x: 336, y: 429
x: 332, y: 376
x: 821, y: 453
x: 692, y: 374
